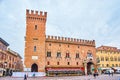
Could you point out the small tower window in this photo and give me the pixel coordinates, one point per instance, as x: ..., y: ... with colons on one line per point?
x: 50, y: 44
x: 76, y: 63
x: 48, y: 63
x: 68, y: 63
x: 58, y: 63
x: 68, y: 46
x: 35, y: 27
x: 59, y: 45
x: 34, y: 48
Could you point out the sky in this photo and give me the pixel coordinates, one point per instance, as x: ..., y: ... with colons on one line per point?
x: 97, y: 20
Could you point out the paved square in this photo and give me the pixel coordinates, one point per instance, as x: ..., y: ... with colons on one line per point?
x: 101, y: 77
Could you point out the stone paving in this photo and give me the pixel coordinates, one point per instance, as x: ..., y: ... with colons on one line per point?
x: 101, y: 77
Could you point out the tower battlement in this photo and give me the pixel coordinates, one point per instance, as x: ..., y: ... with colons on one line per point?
x: 70, y: 40
x: 35, y: 15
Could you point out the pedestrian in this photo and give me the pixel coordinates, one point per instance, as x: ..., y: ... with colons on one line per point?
x: 34, y: 75
x: 112, y: 73
x: 25, y: 77
x: 109, y: 73
x: 94, y: 75
x: 10, y: 73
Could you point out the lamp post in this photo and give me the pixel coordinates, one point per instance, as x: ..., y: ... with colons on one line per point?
x: 85, y: 66
x: 0, y: 64
x: 15, y: 66
x: 98, y: 65
x: 5, y: 64
x: 84, y: 63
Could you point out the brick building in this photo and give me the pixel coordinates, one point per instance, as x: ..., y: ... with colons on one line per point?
x: 54, y: 54
x: 9, y: 59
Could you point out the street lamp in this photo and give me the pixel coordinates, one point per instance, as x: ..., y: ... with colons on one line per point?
x: 98, y: 65
x: 15, y: 65
x: 5, y: 64
x: 84, y: 63
x: 85, y: 66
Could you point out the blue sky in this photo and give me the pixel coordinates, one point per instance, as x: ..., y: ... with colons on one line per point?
x: 83, y: 19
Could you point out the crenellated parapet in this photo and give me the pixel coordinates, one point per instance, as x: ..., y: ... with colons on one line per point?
x: 69, y: 40
x: 35, y: 15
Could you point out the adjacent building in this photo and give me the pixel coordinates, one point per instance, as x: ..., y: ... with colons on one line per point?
x: 9, y: 60
x: 109, y: 57
x: 55, y: 55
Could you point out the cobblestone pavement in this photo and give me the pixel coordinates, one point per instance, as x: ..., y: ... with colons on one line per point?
x: 101, y: 77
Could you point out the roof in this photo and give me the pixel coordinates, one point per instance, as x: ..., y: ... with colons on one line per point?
x: 4, y: 42
x: 108, y: 48
x: 14, y: 53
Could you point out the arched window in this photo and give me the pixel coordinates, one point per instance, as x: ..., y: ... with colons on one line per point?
x: 115, y: 58
x: 68, y: 63
x: 48, y: 63
x: 34, y: 48
x: 102, y: 58
x: 118, y: 58
x: 107, y: 65
x: 112, y: 65
x: 102, y: 65
x: 76, y: 63
x: 98, y: 60
x: 111, y: 58
x: 35, y: 27
x: 77, y: 55
x: 48, y: 54
x: 116, y: 65
x: 67, y: 55
x: 106, y: 58
x: 58, y: 54
x: 58, y: 63
x: 89, y: 54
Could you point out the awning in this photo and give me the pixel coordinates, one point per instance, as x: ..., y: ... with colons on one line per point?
x: 3, y: 69
x: 99, y: 68
x: 105, y: 68
x: 63, y: 69
x: 116, y: 68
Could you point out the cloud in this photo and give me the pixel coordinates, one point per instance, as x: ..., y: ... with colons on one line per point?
x: 86, y: 19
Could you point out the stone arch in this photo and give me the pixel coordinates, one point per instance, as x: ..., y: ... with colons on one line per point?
x: 34, y: 67
x: 89, y: 67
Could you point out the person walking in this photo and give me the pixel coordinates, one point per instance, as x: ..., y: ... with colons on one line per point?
x: 109, y: 73
x: 94, y: 75
x: 112, y: 73
x: 25, y: 77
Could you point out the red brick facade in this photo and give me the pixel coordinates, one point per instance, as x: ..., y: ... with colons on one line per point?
x: 52, y: 51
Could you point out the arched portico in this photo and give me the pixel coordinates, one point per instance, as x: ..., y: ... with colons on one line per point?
x: 34, y: 68
x: 89, y: 67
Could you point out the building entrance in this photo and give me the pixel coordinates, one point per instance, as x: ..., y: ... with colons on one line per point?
x: 34, y: 68
x: 89, y: 67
